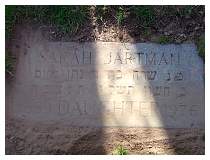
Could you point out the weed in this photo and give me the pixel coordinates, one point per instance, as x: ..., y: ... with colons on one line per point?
x: 120, y: 15
x: 120, y: 150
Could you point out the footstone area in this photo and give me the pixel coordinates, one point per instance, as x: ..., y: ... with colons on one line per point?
x: 108, y: 84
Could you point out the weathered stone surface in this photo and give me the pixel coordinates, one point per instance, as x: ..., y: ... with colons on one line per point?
x: 109, y: 84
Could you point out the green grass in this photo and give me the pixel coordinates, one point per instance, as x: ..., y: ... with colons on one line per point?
x: 180, y: 11
x: 186, y: 11
x: 120, y: 15
x: 201, y: 46
x: 164, y: 39
x: 120, y: 150
x: 10, y: 18
x: 144, y: 14
x: 67, y: 18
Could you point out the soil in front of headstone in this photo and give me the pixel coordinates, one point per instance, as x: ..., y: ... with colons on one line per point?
x: 28, y: 138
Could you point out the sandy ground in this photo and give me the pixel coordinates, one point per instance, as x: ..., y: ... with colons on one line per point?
x: 31, y: 138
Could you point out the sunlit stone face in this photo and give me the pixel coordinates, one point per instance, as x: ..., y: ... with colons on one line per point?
x: 110, y: 84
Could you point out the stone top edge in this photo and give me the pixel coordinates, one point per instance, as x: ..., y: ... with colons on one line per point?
x: 130, y: 43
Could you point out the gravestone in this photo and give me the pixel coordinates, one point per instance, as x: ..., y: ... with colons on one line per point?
x: 109, y: 84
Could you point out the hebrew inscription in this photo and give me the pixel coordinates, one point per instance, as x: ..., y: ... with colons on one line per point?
x: 110, y: 84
